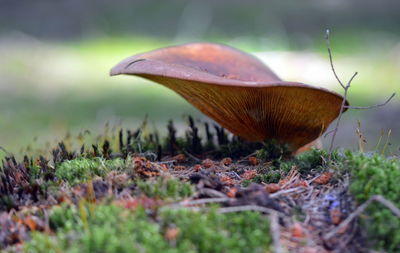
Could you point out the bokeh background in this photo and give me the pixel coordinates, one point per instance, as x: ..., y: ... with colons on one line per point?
x: 55, y: 56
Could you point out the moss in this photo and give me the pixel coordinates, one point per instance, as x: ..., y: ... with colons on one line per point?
x: 81, y: 169
x: 279, y: 164
x: 108, y: 228
x: 35, y: 172
x: 7, y: 203
x: 164, y: 188
x: 213, y: 232
x: 272, y: 176
x: 316, y: 160
x: 377, y: 175
x: 103, y: 228
x: 272, y: 150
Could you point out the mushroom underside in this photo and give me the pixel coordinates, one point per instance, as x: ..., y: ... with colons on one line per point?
x: 239, y: 92
x: 293, y: 115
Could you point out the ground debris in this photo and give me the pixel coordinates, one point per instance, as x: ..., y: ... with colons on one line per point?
x: 192, y: 172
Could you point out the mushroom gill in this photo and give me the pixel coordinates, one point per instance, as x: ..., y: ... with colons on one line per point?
x: 239, y: 92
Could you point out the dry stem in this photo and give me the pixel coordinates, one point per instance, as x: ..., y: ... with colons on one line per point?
x: 378, y: 198
x: 346, y: 89
x: 275, y: 232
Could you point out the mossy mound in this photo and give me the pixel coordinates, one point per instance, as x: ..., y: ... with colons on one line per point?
x: 193, y: 194
x: 115, y: 229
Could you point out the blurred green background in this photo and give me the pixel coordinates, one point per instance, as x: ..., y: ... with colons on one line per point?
x: 55, y: 56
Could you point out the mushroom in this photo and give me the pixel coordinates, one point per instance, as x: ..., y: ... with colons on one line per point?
x: 239, y: 92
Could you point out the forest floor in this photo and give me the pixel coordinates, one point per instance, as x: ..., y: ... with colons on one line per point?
x: 133, y: 191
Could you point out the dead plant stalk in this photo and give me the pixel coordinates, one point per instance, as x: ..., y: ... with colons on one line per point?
x: 345, y: 94
x: 378, y: 198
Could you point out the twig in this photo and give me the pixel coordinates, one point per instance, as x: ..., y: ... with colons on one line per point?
x: 346, y: 89
x: 329, y: 132
x: 192, y: 156
x: 234, y: 209
x: 371, y: 106
x: 379, y: 140
x: 247, y: 157
x: 47, y: 229
x: 167, y: 162
x: 275, y: 232
x: 378, y: 198
x: 291, y: 190
x: 361, y: 139
x: 179, y: 207
x: 236, y: 175
x: 328, y: 43
x: 310, y: 192
x: 203, y: 201
x: 387, y: 142
x: 343, y: 243
x: 211, y: 192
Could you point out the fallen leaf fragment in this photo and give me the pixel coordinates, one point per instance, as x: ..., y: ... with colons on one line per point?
x: 297, y: 230
x: 323, y: 178
x: 249, y: 174
x: 301, y: 183
x: 145, y: 168
x: 208, y: 163
x: 271, y: 188
x: 226, y: 161
x: 180, y: 158
x: 232, y: 192
x: 335, y: 215
x: 227, y: 180
x: 253, y: 160
x: 30, y: 222
x: 197, y: 167
x: 180, y: 167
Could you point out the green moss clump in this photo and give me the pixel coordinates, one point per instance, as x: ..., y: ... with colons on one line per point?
x: 272, y: 150
x: 213, y: 232
x: 103, y: 228
x: 269, y: 177
x: 81, y: 169
x: 163, y: 188
x: 316, y: 160
x: 309, y: 162
x: 109, y: 228
x: 376, y: 175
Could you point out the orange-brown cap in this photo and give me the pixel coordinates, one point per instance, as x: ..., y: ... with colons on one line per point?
x: 239, y: 92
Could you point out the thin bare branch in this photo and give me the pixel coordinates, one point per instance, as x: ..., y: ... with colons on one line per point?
x: 346, y: 88
x: 328, y: 44
x: 371, y: 106
x: 378, y: 198
x: 203, y: 201
x: 275, y: 232
x: 211, y: 192
x: 290, y: 190
x: 338, y: 122
x: 329, y: 132
x: 245, y: 159
x: 192, y: 156
x: 234, y: 209
x: 351, y: 79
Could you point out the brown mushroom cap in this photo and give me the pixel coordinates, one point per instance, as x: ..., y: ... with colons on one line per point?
x: 239, y: 92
